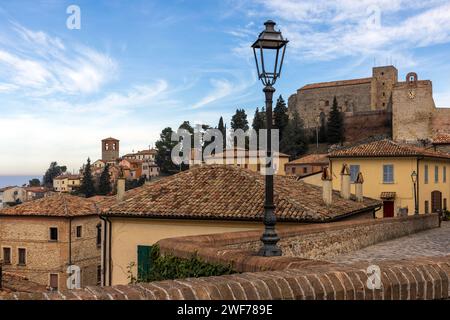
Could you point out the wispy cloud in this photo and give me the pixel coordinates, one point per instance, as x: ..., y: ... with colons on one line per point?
x: 327, y: 30
x: 38, y: 64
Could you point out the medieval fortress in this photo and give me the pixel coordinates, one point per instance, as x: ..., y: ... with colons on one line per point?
x: 377, y: 106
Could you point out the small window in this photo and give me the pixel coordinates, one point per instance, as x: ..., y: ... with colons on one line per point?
x: 7, y: 255
x: 53, y: 234
x: 444, y: 174
x: 384, y: 94
x: 354, y: 171
x: 445, y: 203
x: 258, y: 167
x: 436, y: 174
x: 22, y: 256
x: 99, y: 234
x: 305, y: 170
x: 293, y: 170
x: 79, y: 231
x: 427, y: 209
x: 99, y: 275
x: 425, y: 174
x: 388, y: 173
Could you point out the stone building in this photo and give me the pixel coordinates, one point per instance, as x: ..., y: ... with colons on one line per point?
x: 110, y: 150
x: 377, y: 106
x: 40, y: 239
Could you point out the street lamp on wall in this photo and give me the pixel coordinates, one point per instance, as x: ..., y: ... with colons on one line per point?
x: 414, y: 181
x: 269, y: 51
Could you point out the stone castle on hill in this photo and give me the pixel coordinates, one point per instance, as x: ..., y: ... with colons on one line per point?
x: 377, y: 106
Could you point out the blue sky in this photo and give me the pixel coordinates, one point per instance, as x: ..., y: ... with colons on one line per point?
x: 138, y: 66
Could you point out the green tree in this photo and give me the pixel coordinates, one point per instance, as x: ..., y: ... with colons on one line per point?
x: 223, y: 129
x: 259, y: 120
x: 87, y: 187
x: 239, y: 120
x: 335, y: 126
x: 34, y: 182
x: 104, y: 186
x: 280, y: 116
x: 294, y: 141
x: 164, y: 146
x: 52, y: 172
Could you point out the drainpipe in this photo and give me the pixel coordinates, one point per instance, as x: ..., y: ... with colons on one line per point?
x: 418, y: 184
x: 70, y: 241
x: 104, y: 249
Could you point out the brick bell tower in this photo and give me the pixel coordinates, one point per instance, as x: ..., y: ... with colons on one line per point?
x: 110, y: 149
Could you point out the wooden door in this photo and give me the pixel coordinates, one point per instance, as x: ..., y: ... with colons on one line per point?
x: 436, y: 201
x: 388, y: 209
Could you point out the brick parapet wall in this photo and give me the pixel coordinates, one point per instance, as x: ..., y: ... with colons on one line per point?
x: 238, y: 249
x: 421, y: 278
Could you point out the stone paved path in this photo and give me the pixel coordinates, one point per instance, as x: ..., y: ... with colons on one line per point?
x: 434, y: 242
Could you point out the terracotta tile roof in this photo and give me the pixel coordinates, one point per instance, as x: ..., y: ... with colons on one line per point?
x: 231, y: 193
x: 336, y: 83
x: 56, y: 205
x: 386, y: 148
x: 36, y: 189
x: 321, y: 159
x: 441, y: 138
x: 111, y: 139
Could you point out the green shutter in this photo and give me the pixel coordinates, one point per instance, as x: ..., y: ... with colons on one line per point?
x: 144, y: 261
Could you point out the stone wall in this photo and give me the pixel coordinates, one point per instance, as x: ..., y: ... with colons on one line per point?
x: 301, y: 243
x: 422, y: 278
x: 367, y: 125
x: 310, y: 103
x: 325, y: 243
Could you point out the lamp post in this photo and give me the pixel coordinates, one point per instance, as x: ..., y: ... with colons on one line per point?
x: 414, y: 180
x: 270, y: 44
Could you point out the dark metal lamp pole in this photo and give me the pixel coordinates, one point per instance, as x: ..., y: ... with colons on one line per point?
x: 269, y: 42
x: 414, y: 180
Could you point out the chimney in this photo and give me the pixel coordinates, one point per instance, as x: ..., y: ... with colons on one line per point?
x: 345, y: 182
x: 359, y: 188
x: 327, y: 187
x: 120, y: 189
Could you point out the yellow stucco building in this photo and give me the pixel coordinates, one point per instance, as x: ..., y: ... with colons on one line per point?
x: 388, y: 168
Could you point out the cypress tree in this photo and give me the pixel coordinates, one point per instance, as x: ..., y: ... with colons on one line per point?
x: 223, y: 130
x: 164, y: 146
x: 280, y: 115
x: 335, y: 126
x: 87, y: 185
x: 104, y: 187
x: 294, y: 141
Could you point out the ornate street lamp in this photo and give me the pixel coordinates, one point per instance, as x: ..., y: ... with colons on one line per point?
x: 269, y: 51
x: 414, y: 180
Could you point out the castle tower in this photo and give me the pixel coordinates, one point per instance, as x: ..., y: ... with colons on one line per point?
x: 110, y: 149
x: 383, y: 82
x: 413, y: 109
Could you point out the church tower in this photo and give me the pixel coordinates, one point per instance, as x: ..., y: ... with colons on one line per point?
x: 110, y: 149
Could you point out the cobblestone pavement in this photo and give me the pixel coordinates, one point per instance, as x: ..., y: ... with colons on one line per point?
x: 434, y: 242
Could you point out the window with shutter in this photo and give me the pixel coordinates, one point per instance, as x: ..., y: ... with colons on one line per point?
x: 144, y: 262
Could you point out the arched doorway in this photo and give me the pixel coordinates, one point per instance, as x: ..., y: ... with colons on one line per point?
x: 436, y: 201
